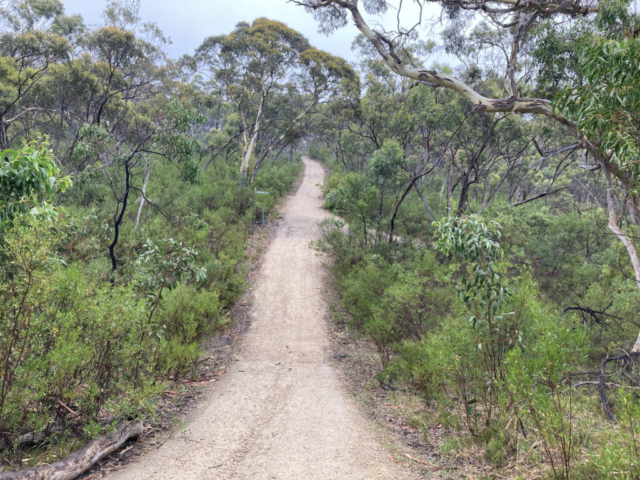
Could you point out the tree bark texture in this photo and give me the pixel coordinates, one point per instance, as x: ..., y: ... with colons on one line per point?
x: 145, y: 180
x: 617, y: 231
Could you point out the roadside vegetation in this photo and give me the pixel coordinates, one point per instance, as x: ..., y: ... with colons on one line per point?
x: 487, y: 215
x: 488, y: 255
x: 124, y: 211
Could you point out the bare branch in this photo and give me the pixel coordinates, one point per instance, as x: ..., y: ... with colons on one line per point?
x: 535, y: 197
x: 482, y: 103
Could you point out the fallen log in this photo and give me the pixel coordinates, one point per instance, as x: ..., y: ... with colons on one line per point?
x: 29, y: 438
x: 33, y: 438
x: 79, y: 462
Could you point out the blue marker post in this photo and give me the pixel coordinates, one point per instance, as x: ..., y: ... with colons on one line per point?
x: 257, y: 192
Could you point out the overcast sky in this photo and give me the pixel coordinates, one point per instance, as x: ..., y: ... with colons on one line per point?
x: 189, y: 22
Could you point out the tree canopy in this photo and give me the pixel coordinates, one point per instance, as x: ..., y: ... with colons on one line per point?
x: 487, y: 216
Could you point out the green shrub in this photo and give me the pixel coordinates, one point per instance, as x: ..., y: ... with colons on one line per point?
x: 76, y: 347
x: 68, y: 344
x: 537, y: 390
x: 619, y: 455
x: 187, y: 318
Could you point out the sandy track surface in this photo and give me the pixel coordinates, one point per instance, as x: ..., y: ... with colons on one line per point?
x: 281, y: 411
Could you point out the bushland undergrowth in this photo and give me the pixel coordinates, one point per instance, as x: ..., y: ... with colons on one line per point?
x: 81, y: 349
x: 472, y: 316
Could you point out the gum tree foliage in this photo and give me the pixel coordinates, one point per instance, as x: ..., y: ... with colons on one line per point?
x: 354, y: 199
x: 481, y: 157
x: 607, y: 107
x: 257, y: 65
x: 165, y: 135
x: 28, y: 178
x: 439, y: 145
x: 68, y: 80
x: 35, y: 35
x: 609, y: 111
x: 163, y: 264
x: 475, y: 242
x: 117, y: 116
x: 501, y: 35
x: 484, y: 291
x: 385, y: 166
x: 99, y: 99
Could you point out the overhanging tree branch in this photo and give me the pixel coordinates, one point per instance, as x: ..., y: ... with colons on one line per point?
x: 512, y: 103
x: 535, y: 197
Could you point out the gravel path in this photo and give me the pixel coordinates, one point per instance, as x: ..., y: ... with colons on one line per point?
x: 281, y: 411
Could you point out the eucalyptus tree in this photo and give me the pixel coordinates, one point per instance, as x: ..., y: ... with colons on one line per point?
x: 504, y: 17
x: 254, y: 65
x: 70, y: 82
x: 118, y: 68
x: 606, y: 107
x: 322, y: 78
x: 502, y: 34
x: 100, y: 94
x: 34, y: 36
x: 162, y: 131
x: 249, y: 66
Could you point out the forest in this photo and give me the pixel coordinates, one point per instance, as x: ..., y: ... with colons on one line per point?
x: 486, y: 214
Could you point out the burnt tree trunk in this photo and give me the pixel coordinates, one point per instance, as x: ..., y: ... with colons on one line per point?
x: 120, y: 216
x: 405, y: 193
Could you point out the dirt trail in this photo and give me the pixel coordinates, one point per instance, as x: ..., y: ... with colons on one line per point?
x: 280, y: 412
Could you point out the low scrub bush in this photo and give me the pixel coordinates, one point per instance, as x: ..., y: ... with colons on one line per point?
x: 187, y: 318
x: 476, y: 323
x: 79, y: 344
x: 70, y: 347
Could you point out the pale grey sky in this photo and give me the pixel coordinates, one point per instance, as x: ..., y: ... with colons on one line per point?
x: 189, y: 22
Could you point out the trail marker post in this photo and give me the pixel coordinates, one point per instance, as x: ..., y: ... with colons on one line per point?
x: 257, y: 192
